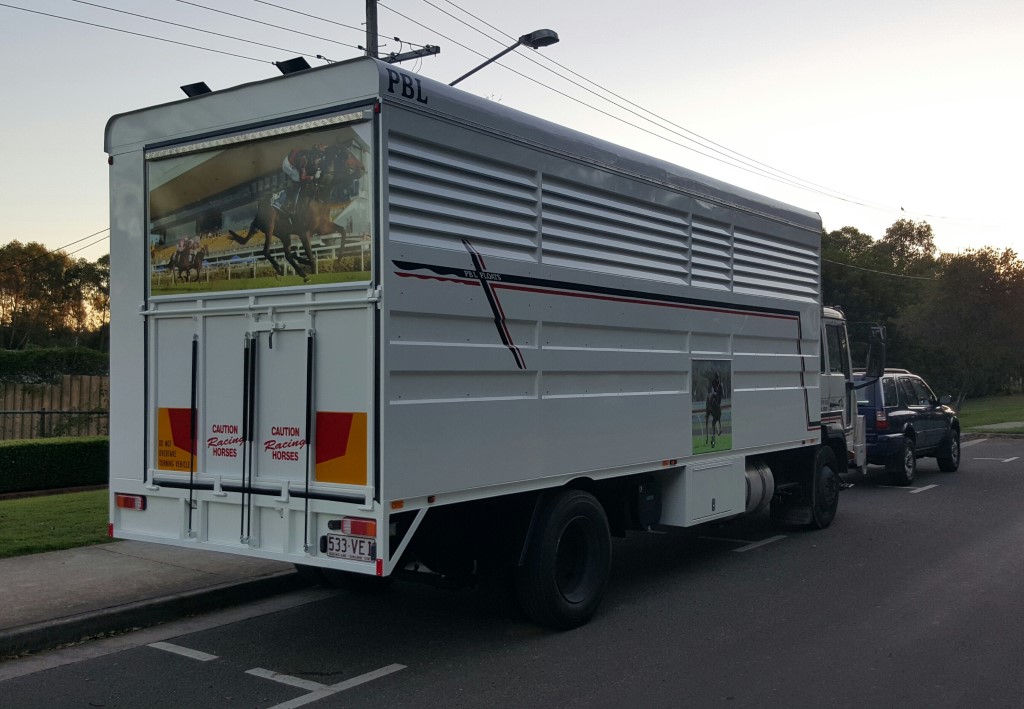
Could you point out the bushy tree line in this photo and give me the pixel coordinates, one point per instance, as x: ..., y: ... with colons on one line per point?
x: 956, y: 319
x: 49, y: 299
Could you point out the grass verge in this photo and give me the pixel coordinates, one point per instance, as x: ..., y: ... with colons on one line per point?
x: 33, y: 524
x: 992, y: 410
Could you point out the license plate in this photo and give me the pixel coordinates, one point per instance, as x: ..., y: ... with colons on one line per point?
x: 341, y: 546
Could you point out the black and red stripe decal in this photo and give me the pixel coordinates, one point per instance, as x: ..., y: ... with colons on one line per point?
x: 487, y: 284
x: 491, y: 282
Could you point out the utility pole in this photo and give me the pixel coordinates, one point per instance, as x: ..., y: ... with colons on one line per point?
x: 373, y: 49
x: 371, y: 28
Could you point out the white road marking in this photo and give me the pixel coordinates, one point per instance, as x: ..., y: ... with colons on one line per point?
x: 726, y: 539
x: 306, y: 684
x: 1001, y: 460
x: 184, y: 651
x: 922, y: 489
x: 340, y: 687
x: 755, y: 545
x: 972, y: 442
x: 127, y: 641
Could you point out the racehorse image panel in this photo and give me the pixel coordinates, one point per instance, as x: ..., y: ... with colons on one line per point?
x: 711, y: 404
x: 262, y: 213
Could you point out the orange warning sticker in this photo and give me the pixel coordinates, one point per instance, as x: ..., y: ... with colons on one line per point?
x: 175, y: 448
x: 341, y: 447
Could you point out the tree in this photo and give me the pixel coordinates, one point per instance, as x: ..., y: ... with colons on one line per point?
x: 876, y: 280
x: 909, y: 246
x: 968, y: 324
x: 47, y: 298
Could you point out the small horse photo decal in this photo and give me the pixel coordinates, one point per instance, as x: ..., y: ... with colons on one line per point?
x: 711, y: 399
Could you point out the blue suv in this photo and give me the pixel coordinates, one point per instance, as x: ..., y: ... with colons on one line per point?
x: 904, y: 421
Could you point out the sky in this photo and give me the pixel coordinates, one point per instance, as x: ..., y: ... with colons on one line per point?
x: 882, y: 109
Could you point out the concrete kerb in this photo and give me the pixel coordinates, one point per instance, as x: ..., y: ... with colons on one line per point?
x: 49, y: 634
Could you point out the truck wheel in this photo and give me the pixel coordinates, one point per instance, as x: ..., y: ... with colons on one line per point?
x: 568, y: 560
x: 949, y: 459
x: 904, y: 464
x: 825, y: 486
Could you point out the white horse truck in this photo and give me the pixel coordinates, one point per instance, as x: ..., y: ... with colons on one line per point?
x: 373, y: 325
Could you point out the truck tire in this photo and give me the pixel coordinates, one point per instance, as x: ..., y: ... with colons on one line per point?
x: 949, y: 458
x: 567, y: 562
x: 825, y: 486
x: 903, y: 464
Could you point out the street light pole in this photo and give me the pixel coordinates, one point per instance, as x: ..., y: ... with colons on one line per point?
x: 534, y: 40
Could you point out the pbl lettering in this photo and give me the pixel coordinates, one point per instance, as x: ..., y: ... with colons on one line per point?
x: 405, y: 85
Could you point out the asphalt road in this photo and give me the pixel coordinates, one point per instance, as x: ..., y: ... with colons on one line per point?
x: 913, y: 598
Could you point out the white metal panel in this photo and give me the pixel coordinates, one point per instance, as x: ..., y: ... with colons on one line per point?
x: 438, y: 196
x: 590, y: 230
x: 708, y: 490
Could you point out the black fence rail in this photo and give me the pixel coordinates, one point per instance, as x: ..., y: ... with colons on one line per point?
x: 72, y: 405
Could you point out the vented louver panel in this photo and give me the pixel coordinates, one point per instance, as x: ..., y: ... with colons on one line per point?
x: 603, y: 233
x: 712, y: 265
x: 767, y: 266
x: 438, y: 197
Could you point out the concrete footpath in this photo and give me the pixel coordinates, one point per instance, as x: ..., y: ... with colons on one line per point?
x: 62, y: 597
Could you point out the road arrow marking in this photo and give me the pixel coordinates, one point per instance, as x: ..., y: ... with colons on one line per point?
x: 327, y: 691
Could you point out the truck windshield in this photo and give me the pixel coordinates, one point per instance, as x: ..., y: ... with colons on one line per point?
x: 289, y: 210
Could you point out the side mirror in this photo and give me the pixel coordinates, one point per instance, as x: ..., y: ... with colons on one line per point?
x: 875, y: 365
x: 945, y: 400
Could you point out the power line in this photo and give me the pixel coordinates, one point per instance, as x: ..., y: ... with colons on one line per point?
x: 333, y: 22
x: 137, y: 34
x: 196, y: 29
x: 49, y: 252
x: 880, y: 273
x: 267, y: 24
x: 647, y: 113
x: 88, y: 246
x: 751, y: 165
x: 752, y: 170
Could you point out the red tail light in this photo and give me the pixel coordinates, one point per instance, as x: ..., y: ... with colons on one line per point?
x: 881, y: 420
x: 354, y: 526
x: 130, y: 502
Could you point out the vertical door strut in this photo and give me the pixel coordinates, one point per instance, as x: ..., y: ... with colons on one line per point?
x: 309, y: 426
x: 192, y: 434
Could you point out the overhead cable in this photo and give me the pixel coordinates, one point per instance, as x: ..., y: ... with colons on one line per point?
x: 136, y: 34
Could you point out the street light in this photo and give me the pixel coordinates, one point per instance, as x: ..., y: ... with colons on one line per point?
x: 534, y: 40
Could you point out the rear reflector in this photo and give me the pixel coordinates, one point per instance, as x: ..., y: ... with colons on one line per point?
x: 355, y: 526
x: 130, y: 502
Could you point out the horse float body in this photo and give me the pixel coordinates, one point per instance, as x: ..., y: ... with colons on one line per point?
x: 493, y: 341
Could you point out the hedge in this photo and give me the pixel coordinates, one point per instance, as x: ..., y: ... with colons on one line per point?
x: 42, y: 366
x: 48, y: 463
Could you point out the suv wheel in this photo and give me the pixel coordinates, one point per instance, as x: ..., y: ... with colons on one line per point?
x: 904, y: 464
x: 949, y: 458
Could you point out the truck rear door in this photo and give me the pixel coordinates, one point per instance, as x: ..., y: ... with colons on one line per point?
x: 260, y: 322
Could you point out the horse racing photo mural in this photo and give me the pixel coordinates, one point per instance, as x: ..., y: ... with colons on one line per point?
x: 711, y: 401
x: 287, y: 210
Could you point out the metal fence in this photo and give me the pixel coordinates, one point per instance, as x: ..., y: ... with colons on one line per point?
x: 74, y: 405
